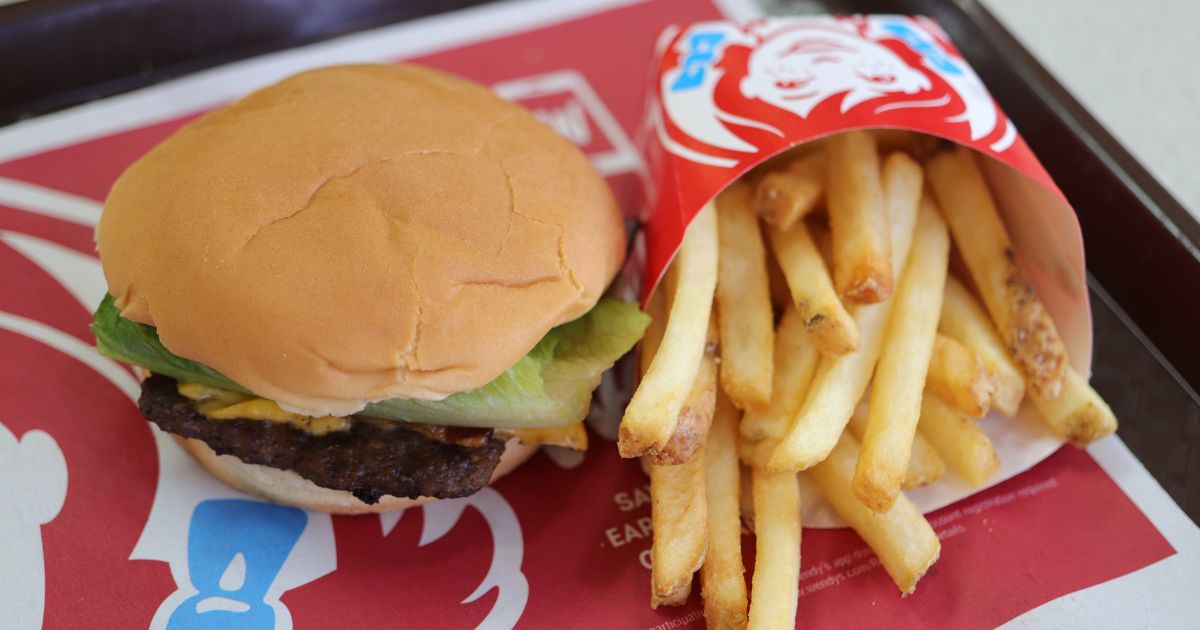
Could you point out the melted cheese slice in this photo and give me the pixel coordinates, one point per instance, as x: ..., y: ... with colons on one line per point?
x: 219, y: 404
x: 572, y: 436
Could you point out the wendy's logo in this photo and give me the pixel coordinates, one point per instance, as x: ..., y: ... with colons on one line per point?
x: 730, y: 93
x: 798, y: 68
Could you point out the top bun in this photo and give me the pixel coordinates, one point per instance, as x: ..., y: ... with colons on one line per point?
x: 358, y: 233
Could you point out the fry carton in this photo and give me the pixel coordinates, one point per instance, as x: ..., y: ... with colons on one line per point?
x: 727, y: 97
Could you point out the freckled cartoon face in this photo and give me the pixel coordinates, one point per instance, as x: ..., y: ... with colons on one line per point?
x: 797, y: 69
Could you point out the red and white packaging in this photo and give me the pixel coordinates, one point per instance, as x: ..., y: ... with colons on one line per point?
x: 726, y: 96
x: 106, y: 523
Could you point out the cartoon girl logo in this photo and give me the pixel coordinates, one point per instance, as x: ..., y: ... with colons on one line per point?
x: 731, y: 92
x: 802, y: 65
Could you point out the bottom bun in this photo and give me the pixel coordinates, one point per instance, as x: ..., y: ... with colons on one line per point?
x: 289, y: 488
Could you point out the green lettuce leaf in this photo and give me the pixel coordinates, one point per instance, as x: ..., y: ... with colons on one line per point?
x: 549, y: 387
x: 137, y: 344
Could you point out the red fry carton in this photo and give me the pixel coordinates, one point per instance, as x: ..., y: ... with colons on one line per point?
x: 725, y: 97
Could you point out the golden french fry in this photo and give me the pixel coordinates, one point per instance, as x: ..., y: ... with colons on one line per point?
x: 787, y: 195
x: 832, y: 329
x: 653, y: 413
x: 782, y: 160
x: 722, y: 576
x: 1079, y: 415
x: 755, y: 454
x: 776, y: 582
x: 679, y: 515
x: 903, y: 182
x: 696, y: 415
x: 744, y: 311
x: 795, y: 362
x: 901, y: 537
x: 964, y: 320
x: 958, y: 375
x: 692, y: 426
x: 824, y: 242
x: 572, y: 436
x: 959, y: 440
x: 1009, y: 296
x: 918, y: 144
x: 837, y: 385
x: 925, y: 466
x: 862, y: 269
x: 780, y: 296
x: 656, y: 308
x: 839, y: 382
x: 895, y: 403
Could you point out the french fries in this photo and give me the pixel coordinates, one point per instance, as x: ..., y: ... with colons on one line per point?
x: 780, y: 295
x: 866, y: 302
x: 781, y: 161
x: 653, y: 413
x: 837, y: 385
x: 679, y: 515
x: 839, y: 382
x: 657, y: 310
x: 903, y: 361
x: 958, y: 375
x: 1007, y: 293
x: 696, y: 415
x: 677, y: 478
x: 795, y: 361
x: 901, y: 537
x: 963, y: 319
x: 862, y: 269
x: 917, y: 144
x: 775, y: 587
x: 959, y: 440
x: 903, y: 180
x: 786, y: 196
x: 722, y: 576
x: 755, y: 454
x: 925, y: 466
x: 1079, y: 415
x: 833, y: 330
x: 743, y: 301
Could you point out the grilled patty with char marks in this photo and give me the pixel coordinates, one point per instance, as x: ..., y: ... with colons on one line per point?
x: 371, y: 459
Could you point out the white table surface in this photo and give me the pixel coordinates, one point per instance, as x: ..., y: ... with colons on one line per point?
x: 1135, y: 65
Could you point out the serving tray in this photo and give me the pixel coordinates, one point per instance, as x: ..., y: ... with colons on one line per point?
x: 1142, y: 245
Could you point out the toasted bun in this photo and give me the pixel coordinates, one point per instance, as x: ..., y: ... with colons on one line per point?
x: 359, y: 233
x: 289, y: 488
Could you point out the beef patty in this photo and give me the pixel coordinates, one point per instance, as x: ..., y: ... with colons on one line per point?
x: 372, y: 459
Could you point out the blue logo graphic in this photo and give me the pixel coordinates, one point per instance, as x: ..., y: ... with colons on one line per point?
x: 921, y: 44
x: 235, y: 551
x: 702, y: 51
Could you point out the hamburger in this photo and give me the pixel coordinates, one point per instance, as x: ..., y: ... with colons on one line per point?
x: 364, y: 288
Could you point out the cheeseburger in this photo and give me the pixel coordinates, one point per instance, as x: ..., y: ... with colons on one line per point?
x: 364, y: 287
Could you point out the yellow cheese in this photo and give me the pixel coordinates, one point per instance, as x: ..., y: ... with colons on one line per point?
x: 573, y: 436
x: 219, y: 404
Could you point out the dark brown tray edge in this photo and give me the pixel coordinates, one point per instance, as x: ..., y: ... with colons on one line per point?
x: 141, y: 45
